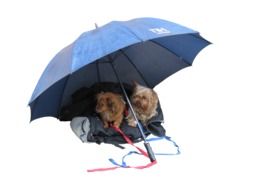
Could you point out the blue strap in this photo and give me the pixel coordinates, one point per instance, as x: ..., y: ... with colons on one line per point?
x: 168, y: 139
x: 123, y: 163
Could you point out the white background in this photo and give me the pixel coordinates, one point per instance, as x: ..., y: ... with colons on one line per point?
x: 208, y: 107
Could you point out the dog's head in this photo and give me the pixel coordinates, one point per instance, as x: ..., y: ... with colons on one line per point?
x: 108, y: 102
x: 144, y: 99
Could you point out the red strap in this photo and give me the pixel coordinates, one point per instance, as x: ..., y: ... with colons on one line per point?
x: 129, y: 140
x: 131, y: 143
x: 102, y: 169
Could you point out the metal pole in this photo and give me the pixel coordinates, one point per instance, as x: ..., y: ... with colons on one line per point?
x: 146, y: 144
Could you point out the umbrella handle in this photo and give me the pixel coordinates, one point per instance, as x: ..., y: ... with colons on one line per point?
x: 150, y: 152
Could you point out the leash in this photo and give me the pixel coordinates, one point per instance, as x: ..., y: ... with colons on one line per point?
x: 123, y: 164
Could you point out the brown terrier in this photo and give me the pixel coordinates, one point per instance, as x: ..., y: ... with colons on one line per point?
x: 110, y: 107
x: 144, y: 101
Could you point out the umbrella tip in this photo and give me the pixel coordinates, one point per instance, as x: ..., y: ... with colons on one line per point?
x: 96, y: 26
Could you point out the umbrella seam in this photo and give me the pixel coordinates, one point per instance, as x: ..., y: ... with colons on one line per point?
x: 186, y: 62
x: 132, y: 32
x: 98, y: 71
x: 130, y: 61
x: 60, y: 102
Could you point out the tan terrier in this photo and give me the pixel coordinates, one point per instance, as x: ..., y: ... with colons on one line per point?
x: 144, y: 101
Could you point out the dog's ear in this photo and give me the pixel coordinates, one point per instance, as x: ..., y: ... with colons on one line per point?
x: 120, y: 98
x: 135, y: 84
x: 155, y: 98
x: 99, y: 95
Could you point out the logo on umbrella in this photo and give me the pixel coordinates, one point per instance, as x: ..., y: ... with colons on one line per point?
x: 159, y: 30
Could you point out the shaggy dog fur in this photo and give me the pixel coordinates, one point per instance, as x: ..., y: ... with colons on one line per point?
x: 144, y: 101
x: 110, y: 106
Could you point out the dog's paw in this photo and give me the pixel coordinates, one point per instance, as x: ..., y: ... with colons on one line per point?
x: 132, y: 123
x: 106, y: 125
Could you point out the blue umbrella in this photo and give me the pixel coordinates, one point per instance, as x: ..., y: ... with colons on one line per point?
x: 146, y: 50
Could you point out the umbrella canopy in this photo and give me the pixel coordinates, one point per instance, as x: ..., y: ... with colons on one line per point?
x: 146, y: 50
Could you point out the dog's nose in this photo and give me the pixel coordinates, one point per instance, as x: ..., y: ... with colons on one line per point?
x: 138, y: 103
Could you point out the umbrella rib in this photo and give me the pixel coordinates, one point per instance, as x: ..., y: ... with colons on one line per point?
x: 63, y: 90
x: 186, y: 62
x: 130, y: 61
x: 98, y: 72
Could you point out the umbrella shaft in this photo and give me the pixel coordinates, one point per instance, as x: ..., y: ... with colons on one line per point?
x: 147, y: 145
x: 129, y: 104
